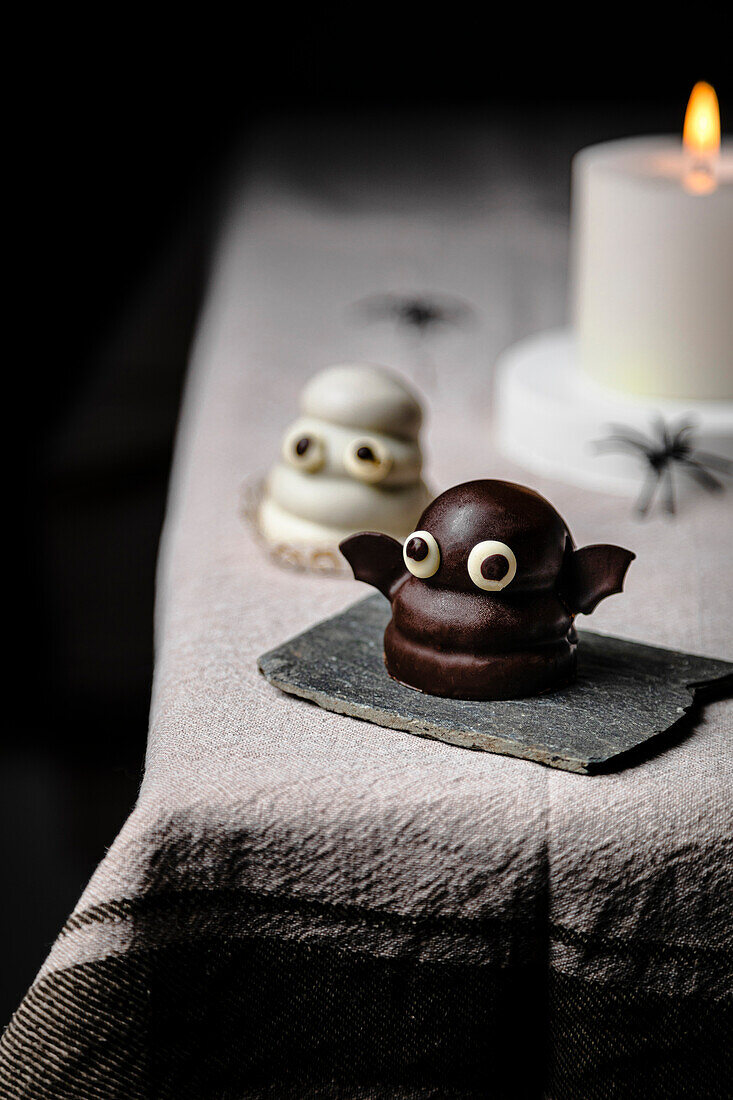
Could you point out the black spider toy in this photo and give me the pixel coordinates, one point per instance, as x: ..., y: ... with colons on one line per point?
x: 418, y: 313
x: 671, y: 446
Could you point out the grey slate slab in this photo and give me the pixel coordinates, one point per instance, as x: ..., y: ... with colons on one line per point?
x: 626, y: 698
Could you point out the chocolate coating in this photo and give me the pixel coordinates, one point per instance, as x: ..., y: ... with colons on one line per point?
x: 450, y: 637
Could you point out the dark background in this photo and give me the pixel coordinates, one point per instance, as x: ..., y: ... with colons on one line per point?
x: 122, y: 141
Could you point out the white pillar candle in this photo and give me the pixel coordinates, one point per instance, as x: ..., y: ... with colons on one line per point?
x: 652, y: 269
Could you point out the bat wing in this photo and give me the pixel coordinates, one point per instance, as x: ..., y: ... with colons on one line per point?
x: 376, y: 560
x: 592, y: 573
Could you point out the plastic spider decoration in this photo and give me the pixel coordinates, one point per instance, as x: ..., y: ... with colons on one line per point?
x: 669, y: 448
x: 418, y: 313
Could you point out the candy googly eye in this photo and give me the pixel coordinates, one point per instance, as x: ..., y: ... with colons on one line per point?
x: 421, y: 554
x: 368, y: 460
x: 304, y: 450
x: 492, y: 565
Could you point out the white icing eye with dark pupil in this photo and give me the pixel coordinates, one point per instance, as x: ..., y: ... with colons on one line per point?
x: 368, y: 460
x: 421, y: 554
x: 304, y: 450
x: 492, y: 565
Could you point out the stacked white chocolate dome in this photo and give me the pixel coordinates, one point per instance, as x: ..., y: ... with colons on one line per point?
x: 351, y: 462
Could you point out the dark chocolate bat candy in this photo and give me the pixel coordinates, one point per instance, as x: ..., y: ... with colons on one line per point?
x: 485, y: 591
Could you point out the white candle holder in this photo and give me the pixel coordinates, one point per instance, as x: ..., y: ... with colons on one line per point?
x: 550, y: 417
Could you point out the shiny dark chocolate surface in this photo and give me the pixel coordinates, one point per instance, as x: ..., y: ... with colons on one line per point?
x: 481, y: 510
x: 450, y: 637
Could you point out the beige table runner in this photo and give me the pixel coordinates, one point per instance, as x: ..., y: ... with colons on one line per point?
x: 303, y: 904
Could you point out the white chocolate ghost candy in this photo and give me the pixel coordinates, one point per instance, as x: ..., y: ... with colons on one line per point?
x: 351, y: 462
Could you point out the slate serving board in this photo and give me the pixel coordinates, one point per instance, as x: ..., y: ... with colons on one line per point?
x: 626, y: 698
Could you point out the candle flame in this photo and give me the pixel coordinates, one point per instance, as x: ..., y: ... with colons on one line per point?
x: 701, y: 138
x: 701, y: 134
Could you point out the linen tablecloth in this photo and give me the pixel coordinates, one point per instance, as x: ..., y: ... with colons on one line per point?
x: 302, y: 904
